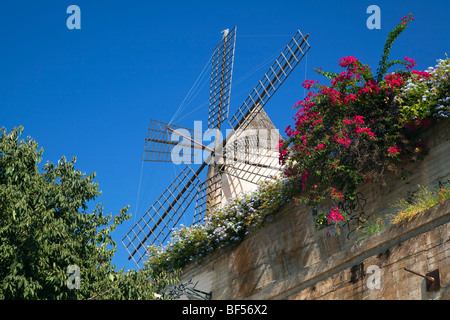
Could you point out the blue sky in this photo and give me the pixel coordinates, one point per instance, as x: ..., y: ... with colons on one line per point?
x: 91, y: 92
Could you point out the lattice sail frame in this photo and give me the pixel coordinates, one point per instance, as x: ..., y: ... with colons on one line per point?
x: 272, y: 80
x: 221, y: 75
x: 158, y: 222
x: 209, y: 198
x: 161, y: 140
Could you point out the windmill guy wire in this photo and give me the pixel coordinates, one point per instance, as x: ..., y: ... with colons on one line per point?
x: 201, y: 75
x: 264, y: 35
x: 306, y: 69
x: 139, y: 191
x: 244, y: 77
x: 177, y: 112
x: 180, y: 108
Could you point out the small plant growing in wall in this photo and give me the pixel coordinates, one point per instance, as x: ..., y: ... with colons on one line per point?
x: 423, y: 200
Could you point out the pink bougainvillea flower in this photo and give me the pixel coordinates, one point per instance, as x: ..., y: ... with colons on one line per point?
x: 336, y: 195
x: 341, y: 140
x: 334, y: 215
x: 307, y: 84
x: 349, y: 98
x: 411, y: 63
x: 344, y: 62
x: 347, y: 121
x: 394, y: 80
x: 358, y: 119
x: 320, y: 146
x: 368, y: 131
x: 304, y: 176
x: 421, y: 74
x: 394, y: 150
x: 416, y: 124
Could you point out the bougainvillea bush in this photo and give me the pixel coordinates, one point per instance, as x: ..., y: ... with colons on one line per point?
x: 360, y: 126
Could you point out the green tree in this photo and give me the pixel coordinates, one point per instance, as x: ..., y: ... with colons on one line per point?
x: 45, y: 227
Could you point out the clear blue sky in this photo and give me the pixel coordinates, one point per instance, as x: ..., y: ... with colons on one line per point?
x: 92, y: 92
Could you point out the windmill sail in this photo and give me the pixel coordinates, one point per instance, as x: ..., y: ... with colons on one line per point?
x: 163, y: 137
x: 157, y: 223
x: 221, y: 74
x: 272, y: 80
x: 209, y: 197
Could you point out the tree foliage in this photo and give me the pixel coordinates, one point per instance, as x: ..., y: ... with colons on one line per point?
x: 45, y: 227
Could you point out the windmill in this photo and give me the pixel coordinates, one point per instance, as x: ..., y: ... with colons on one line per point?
x: 242, y: 155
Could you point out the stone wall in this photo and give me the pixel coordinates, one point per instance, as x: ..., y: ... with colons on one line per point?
x: 290, y: 259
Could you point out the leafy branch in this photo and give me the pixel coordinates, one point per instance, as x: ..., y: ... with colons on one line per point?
x: 384, y: 63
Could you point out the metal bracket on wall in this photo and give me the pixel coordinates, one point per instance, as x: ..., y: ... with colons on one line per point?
x: 433, y: 279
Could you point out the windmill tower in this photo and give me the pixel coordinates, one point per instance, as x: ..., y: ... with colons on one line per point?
x: 234, y: 164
